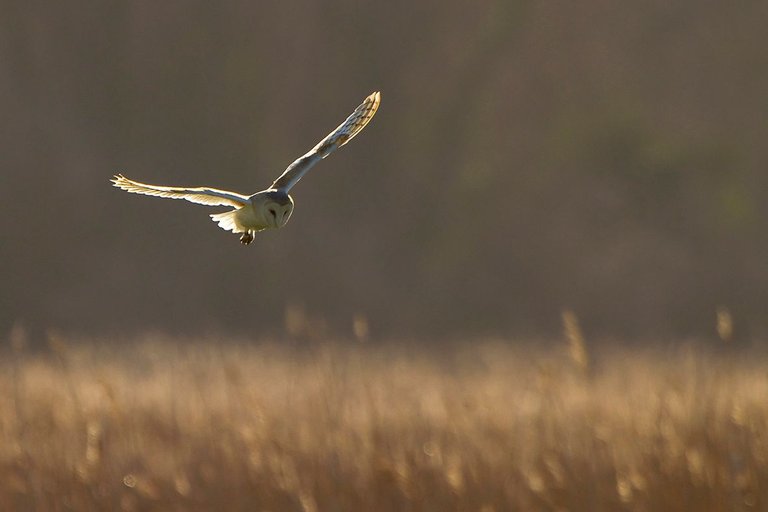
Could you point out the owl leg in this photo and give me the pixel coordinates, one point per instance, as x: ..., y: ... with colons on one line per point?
x: 246, y: 238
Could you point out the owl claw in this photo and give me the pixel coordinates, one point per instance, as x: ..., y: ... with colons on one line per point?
x: 246, y: 238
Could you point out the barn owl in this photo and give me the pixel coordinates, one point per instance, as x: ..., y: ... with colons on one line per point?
x: 270, y: 208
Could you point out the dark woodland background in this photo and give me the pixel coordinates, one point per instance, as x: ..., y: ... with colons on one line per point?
x: 528, y: 156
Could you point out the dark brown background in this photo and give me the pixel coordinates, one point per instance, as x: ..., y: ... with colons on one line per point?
x: 528, y: 156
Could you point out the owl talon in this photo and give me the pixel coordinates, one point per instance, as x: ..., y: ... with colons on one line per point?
x: 246, y: 238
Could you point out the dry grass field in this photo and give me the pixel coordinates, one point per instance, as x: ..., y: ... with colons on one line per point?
x: 153, y: 424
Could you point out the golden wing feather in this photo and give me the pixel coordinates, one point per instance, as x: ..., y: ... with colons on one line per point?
x: 199, y: 195
x: 351, y: 126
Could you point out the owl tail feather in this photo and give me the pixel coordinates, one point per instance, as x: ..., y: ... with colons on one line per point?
x: 227, y: 221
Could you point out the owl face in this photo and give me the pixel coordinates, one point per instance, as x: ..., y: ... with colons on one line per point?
x: 277, y: 214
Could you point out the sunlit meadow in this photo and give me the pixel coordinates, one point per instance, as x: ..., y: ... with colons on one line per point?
x: 155, y: 423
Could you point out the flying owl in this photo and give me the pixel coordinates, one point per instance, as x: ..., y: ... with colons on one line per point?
x: 270, y: 208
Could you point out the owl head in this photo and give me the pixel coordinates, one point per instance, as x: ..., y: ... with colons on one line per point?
x: 277, y: 208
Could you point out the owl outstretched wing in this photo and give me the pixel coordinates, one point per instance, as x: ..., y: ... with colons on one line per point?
x: 198, y: 195
x: 337, y: 138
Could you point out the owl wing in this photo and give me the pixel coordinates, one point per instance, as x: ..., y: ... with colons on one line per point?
x: 199, y: 195
x: 337, y: 138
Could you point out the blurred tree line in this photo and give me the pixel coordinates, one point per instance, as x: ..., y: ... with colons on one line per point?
x: 528, y: 156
